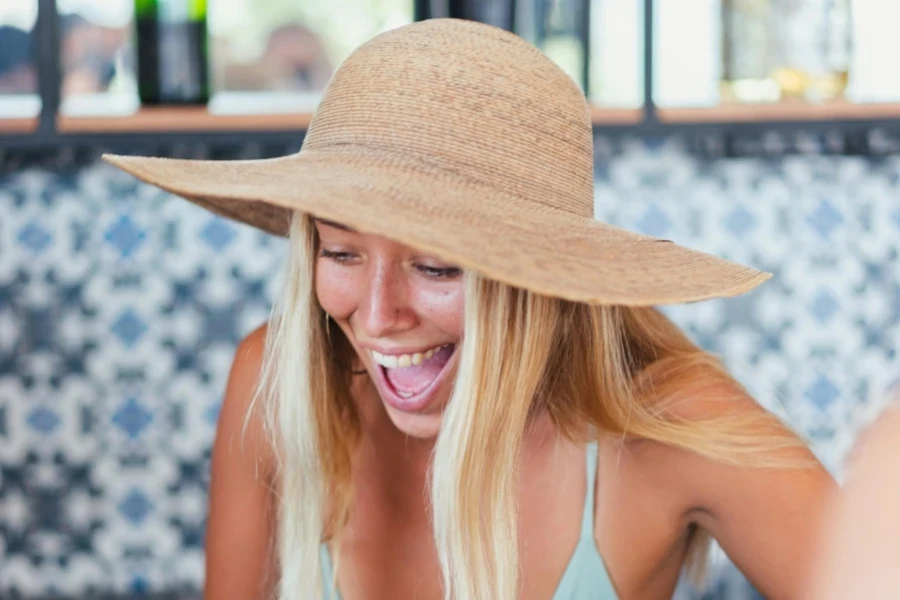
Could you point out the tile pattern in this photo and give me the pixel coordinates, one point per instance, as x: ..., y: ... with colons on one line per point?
x: 120, y: 308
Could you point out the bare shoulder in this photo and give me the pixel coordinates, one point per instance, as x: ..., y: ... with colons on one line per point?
x: 698, y: 477
x: 858, y: 556
x: 238, y: 427
x: 668, y: 479
x: 882, y: 438
x: 240, y: 525
x: 875, y: 449
x: 765, y: 516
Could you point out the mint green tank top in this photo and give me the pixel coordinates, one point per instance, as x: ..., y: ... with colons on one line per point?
x: 585, y: 577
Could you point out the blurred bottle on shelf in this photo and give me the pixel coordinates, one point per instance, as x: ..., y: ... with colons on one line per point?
x: 746, y: 42
x: 500, y: 13
x: 785, y: 50
x: 811, y: 48
x: 172, y: 51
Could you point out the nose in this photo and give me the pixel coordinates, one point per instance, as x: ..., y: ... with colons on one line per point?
x: 386, y: 310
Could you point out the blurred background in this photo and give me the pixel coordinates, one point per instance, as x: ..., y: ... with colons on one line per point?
x: 765, y: 131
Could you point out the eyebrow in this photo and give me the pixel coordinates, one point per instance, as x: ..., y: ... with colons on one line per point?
x: 328, y: 223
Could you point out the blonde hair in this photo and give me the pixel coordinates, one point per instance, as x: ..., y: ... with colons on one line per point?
x: 620, y: 370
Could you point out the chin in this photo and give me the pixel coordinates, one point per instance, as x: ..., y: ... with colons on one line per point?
x: 423, y: 426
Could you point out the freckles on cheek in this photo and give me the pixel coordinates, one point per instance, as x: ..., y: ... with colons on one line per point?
x: 445, y: 308
x: 334, y: 290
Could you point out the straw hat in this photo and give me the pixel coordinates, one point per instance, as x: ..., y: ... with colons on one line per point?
x: 466, y: 142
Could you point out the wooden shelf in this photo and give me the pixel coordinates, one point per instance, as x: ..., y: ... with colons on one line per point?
x: 171, y: 118
x: 601, y: 115
x: 200, y: 119
x: 784, y: 111
x: 151, y: 124
x: 18, y: 125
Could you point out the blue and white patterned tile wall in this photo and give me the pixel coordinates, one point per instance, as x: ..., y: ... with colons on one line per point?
x: 120, y: 308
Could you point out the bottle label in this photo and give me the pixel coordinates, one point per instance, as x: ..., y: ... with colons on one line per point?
x: 174, y: 11
x: 181, y: 74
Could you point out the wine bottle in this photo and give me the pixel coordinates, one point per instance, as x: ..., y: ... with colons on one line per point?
x: 172, y: 51
x: 500, y: 13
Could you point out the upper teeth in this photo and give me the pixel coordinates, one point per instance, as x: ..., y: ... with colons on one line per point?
x: 393, y: 361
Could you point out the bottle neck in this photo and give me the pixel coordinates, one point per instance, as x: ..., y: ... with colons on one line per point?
x: 171, y: 11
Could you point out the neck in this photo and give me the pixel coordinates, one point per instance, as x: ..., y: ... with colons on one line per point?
x: 391, y: 446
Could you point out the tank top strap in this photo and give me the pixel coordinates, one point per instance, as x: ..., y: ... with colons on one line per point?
x: 587, y: 519
x: 327, y: 569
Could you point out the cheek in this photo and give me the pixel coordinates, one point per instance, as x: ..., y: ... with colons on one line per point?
x: 442, y: 305
x: 335, y: 290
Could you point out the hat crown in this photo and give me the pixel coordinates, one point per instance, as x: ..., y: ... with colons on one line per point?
x: 465, y: 142
x: 467, y: 101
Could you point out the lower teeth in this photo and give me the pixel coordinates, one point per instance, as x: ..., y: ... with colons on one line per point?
x: 405, y: 394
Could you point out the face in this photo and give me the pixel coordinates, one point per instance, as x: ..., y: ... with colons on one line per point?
x: 402, y: 311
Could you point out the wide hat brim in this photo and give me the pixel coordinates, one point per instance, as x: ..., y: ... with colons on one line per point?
x: 545, y: 250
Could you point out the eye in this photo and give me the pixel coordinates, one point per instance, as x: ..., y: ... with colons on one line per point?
x: 439, y: 272
x: 338, y: 257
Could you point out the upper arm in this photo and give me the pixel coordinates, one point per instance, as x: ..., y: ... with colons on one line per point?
x: 767, y: 519
x: 861, y: 550
x: 239, y: 526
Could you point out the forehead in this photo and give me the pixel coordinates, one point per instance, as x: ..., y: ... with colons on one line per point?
x: 368, y: 238
x: 332, y: 224
x: 326, y: 227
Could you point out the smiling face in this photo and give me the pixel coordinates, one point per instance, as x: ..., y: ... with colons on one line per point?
x: 402, y: 311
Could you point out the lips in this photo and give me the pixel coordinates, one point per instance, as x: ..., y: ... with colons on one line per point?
x: 409, y: 377
x: 413, y: 390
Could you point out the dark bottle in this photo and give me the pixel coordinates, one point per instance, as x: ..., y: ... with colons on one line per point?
x: 172, y: 51
x: 500, y: 13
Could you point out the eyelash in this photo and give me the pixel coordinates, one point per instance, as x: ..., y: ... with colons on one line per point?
x: 338, y: 257
x: 343, y: 258
x: 444, y: 273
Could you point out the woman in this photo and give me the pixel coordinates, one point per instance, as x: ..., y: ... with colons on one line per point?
x: 861, y: 549
x: 464, y: 391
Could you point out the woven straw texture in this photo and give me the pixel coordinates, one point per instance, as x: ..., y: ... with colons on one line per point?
x: 463, y: 140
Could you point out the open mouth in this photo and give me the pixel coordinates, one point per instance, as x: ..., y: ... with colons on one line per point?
x: 407, y: 381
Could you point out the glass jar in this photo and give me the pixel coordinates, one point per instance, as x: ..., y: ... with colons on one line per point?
x: 811, y: 48
x: 785, y: 49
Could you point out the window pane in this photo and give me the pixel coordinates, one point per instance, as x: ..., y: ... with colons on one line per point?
x: 18, y: 75
x: 874, y: 72
x: 687, y: 52
x: 96, y: 57
x: 617, y: 53
x: 280, y: 54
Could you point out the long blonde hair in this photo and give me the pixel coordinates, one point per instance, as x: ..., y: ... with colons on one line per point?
x: 618, y: 370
